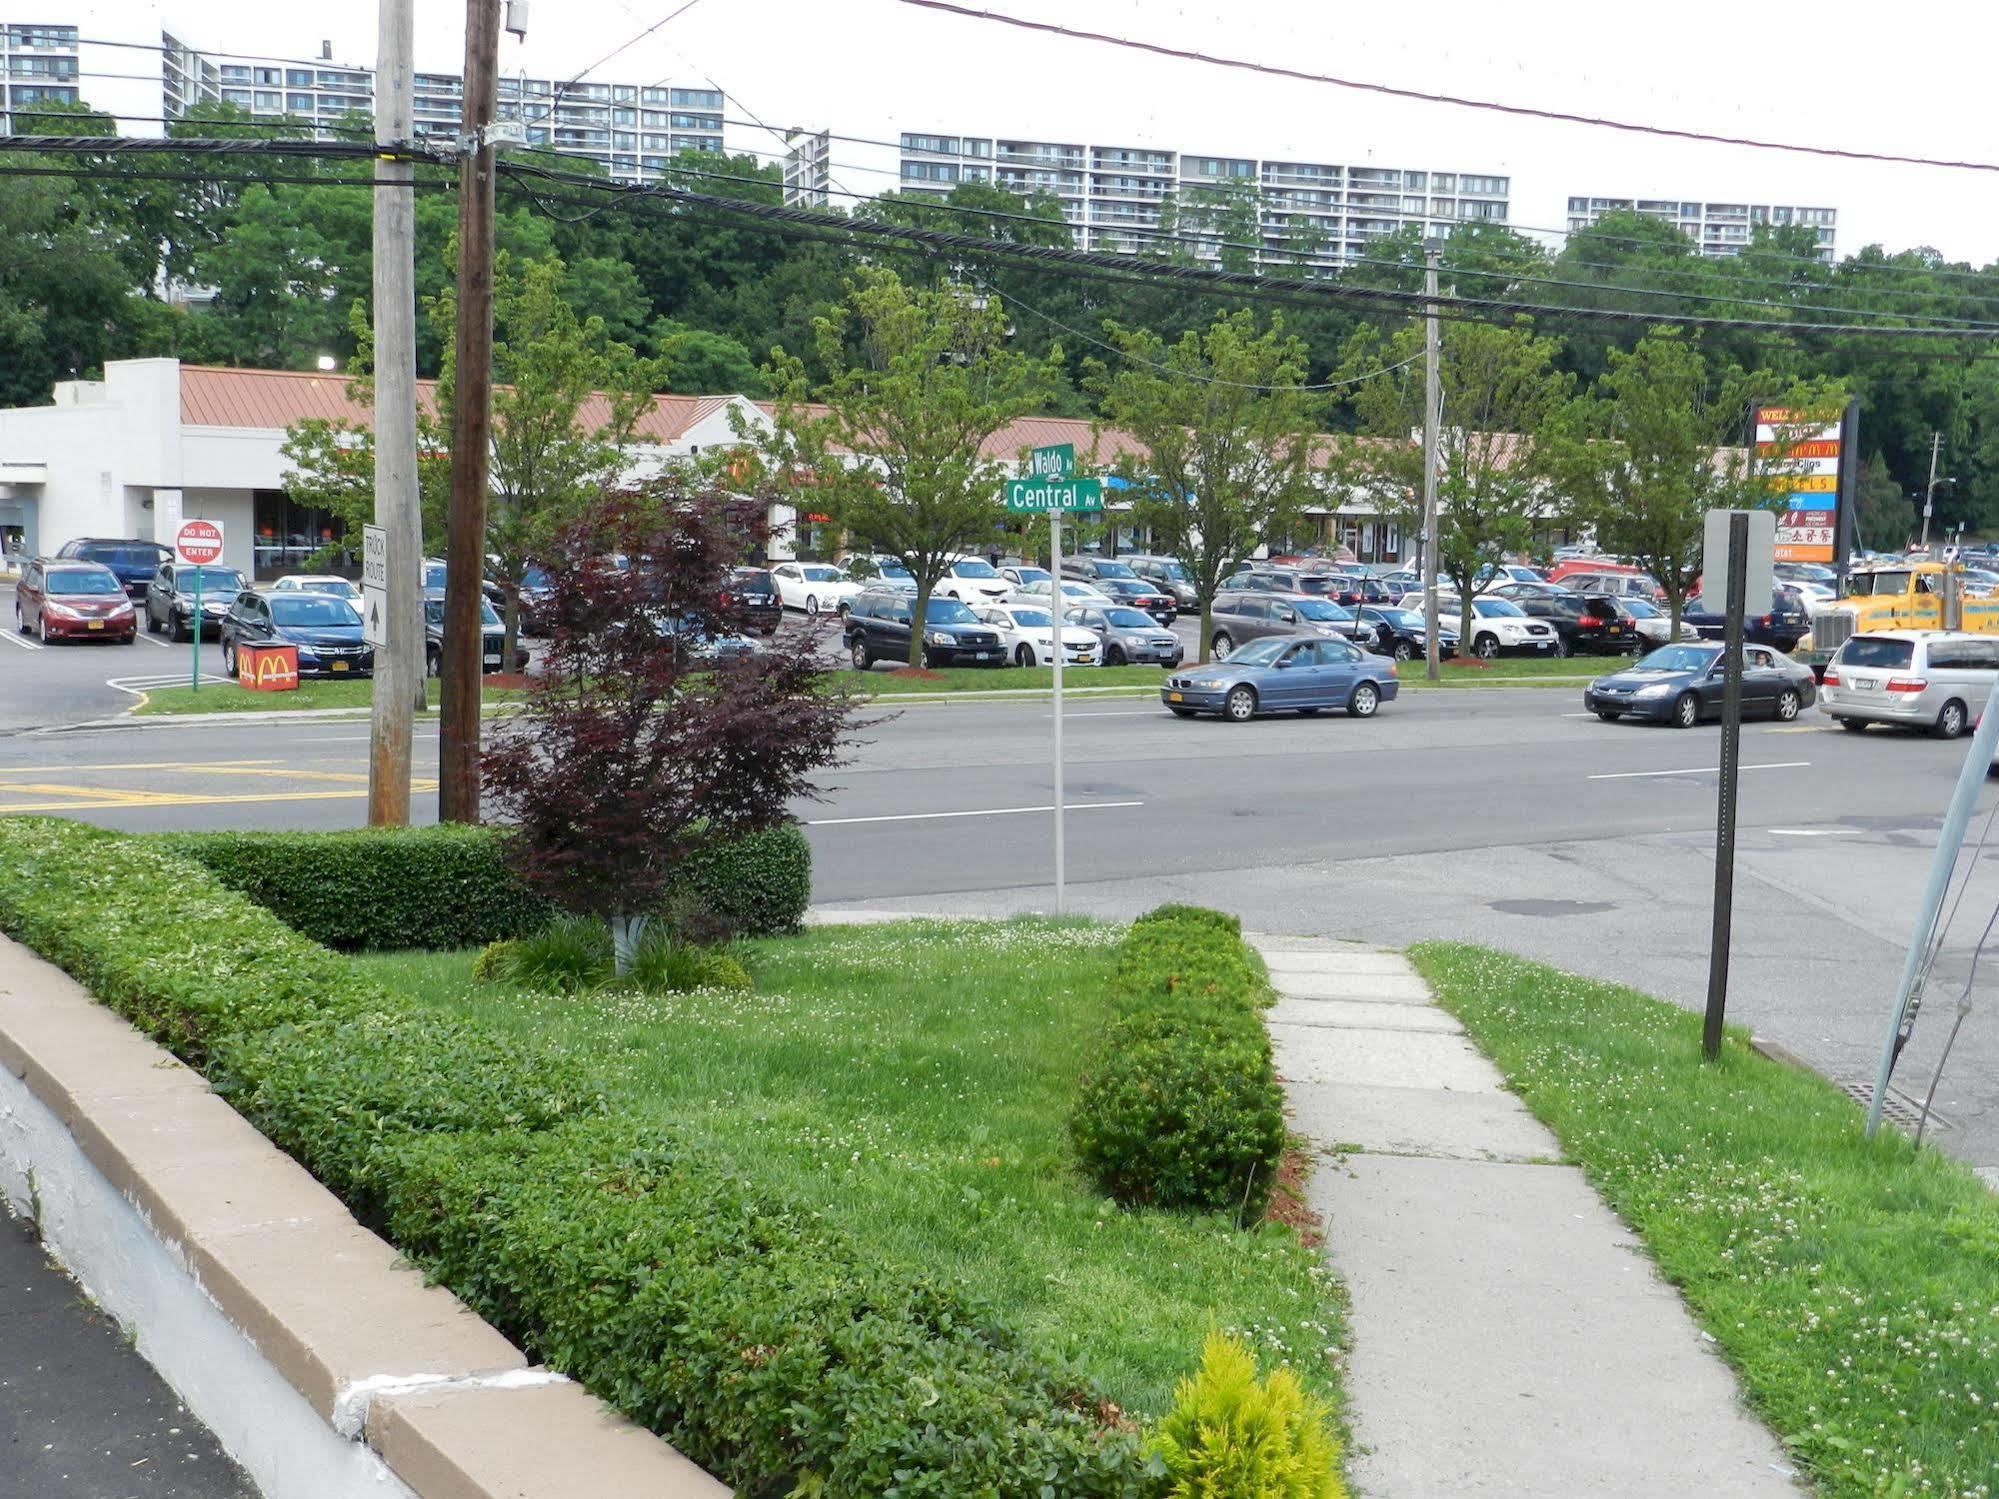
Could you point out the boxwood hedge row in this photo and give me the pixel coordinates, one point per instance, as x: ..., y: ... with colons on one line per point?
x: 750, y: 1334
x: 449, y: 886
x: 1180, y: 1106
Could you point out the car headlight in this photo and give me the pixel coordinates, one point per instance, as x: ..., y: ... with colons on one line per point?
x: 1657, y: 689
x: 1207, y: 684
x: 938, y: 637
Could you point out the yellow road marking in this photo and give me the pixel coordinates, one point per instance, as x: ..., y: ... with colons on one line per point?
x: 73, y: 767
x: 113, y: 800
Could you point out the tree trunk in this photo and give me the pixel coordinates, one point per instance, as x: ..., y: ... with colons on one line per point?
x: 626, y: 934
x: 917, y: 612
x: 511, y: 624
x: 1207, y: 630
x: 1465, y: 618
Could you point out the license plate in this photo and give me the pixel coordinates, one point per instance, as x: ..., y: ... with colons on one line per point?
x: 982, y: 655
x: 1861, y: 684
x: 97, y: 624
x: 340, y: 666
x: 1176, y: 697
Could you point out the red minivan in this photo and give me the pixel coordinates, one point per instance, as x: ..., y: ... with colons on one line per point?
x: 73, y: 601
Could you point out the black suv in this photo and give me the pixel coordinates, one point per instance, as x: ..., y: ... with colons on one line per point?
x: 493, y: 638
x: 878, y: 630
x: 753, y: 591
x: 134, y: 562
x: 1579, y: 627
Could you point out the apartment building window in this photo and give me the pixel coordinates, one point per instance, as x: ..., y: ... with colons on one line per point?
x: 1490, y: 186
x: 1579, y: 205
x: 695, y: 143
x: 977, y: 174
x: 1446, y: 182
x: 45, y: 38
x: 236, y: 96
x: 625, y: 141
x: 235, y: 73
x: 653, y: 142
x: 697, y: 98
x: 624, y: 92
x: 625, y: 117
x: 979, y: 148
x: 32, y: 95
x: 1215, y: 166
x: 42, y: 67
x: 269, y: 101
x: 1469, y: 209
x: 696, y: 122
x: 936, y: 145
x: 929, y: 171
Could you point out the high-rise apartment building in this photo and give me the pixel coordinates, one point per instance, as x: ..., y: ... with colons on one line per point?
x: 1113, y: 195
x: 1719, y: 229
x: 808, y: 169
x: 39, y: 65
x: 631, y: 130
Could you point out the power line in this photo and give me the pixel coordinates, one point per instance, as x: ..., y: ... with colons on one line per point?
x: 1183, y: 54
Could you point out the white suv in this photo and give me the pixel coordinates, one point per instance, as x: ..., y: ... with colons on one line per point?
x: 974, y: 580
x: 1028, y: 633
x: 1497, y: 626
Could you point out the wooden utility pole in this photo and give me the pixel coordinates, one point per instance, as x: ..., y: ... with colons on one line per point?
x: 1433, y: 401
x: 399, y: 676
x: 471, y: 428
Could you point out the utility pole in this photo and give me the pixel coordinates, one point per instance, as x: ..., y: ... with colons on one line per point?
x: 1433, y: 402
x: 471, y: 428
x: 1930, y: 489
x: 399, y: 679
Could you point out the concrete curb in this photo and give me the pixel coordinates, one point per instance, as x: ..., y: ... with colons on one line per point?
x: 323, y: 1363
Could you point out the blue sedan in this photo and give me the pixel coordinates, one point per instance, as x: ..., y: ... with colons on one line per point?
x: 1283, y: 674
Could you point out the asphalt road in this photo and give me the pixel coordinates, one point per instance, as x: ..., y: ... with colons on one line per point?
x: 1502, y: 816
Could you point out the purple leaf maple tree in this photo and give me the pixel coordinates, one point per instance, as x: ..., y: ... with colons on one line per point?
x: 636, y: 747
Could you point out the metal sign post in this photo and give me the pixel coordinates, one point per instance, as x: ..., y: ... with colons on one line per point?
x: 1057, y: 601
x: 1731, y: 753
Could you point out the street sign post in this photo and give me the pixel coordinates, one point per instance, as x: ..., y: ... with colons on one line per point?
x: 1054, y: 491
x: 198, y: 543
x: 1740, y: 546
x: 375, y: 586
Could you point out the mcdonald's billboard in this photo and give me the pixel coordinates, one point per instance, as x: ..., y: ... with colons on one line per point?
x: 268, y: 668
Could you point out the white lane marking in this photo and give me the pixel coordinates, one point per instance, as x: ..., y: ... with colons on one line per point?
x: 834, y: 822
x: 15, y: 637
x: 152, y: 639
x: 140, y: 686
x: 1815, y: 832
x: 1697, y: 770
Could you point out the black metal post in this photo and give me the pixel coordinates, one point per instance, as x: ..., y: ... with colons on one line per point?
x: 1731, y: 755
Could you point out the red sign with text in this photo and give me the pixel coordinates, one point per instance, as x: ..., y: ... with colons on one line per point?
x: 198, y: 542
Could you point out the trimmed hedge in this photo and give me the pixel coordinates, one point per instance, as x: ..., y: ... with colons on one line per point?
x: 449, y: 886
x: 753, y: 1336
x: 1204, y: 916
x: 1180, y: 1107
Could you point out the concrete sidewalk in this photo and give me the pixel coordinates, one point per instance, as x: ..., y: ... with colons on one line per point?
x: 1509, y: 1335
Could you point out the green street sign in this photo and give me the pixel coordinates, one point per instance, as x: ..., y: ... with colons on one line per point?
x: 1039, y: 496
x: 1058, y: 462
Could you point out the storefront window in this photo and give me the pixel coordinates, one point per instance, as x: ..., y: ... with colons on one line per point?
x: 290, y: 535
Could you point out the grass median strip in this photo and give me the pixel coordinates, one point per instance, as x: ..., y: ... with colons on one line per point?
x: 1853, y: 1284
x: 230, y: 698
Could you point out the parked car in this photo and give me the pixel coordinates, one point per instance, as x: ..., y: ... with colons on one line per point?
x: 973, y: 580
x: 1021, y: 574
x: 702, y: 648
x: 1136, y: 593
x: 1649, y: 624
x: 752, y: 592
x: 879, y: 621
x: 1090, y: 569
x: 324, y: 628
x: 813, y: 587
x: 1499, y: 626
x: 343, y: 588
x: 1238, y: 618
x: 878, y: 570
x: 1027, y: 634
x: 170, y: 598
x: 1805, y: 572
x: 431, y: 580
x: 1783, y: 627
x: 1682, y: 684
x: 1581, y: 626
x: 1529, y: 589
x: 1166, y: 573
x: 1917, y: 679
x: 1281, y: 580
x: 1400, y: 633
x: 132, y: 563
x: 1627, y: 582
x: 492, y: 657
x: 1572, y: 567
x: 1075, y: 592
x: 1283, y: 676
x: 1489, y: 577
x: 60, y: 600
x: 1127, y: 635
x: 1355, y: 589
x: 1401, y: 580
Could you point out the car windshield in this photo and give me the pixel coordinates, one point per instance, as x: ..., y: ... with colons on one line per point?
x: 1129, y: 619
x: 1171, y: 572
x: 81, y: 580
x: 1638, y: 608
x: 1115, y: 570
x: 1675, y: 658
x: 1031, y: 574
x: 1881, y: 582
x: 1320, y: 583
x: 1875, y: 651
x: 1402, y: 619
x: 213, y: 579
x: 1260, y: 652
x: 823, y: 575
x: 1032, y: 619
x: 949, y: 612
x: 1322, y: 610
x: 125, y: 556
x: 312, y: 610
x: 1497, y: 609
x: 972, y: 567
x: 750, y: 582
x: 888, y: 567
x: 339, y: 587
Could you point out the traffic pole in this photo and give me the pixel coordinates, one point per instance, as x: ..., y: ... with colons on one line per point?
x: 196, y: 682
x: 1059, y: 601
x: 1721, y: 933
x: 1433, y: 401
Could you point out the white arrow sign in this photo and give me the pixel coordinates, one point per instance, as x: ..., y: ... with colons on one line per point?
x: 375, y: 617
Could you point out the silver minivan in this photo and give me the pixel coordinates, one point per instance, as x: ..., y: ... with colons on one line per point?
x: 1935, y: 680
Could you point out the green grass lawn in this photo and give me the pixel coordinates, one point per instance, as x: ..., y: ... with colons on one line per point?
x: 912, y: 1083
x: 886, y: 683
x: 1854, y: 1285
x: 227, y: 697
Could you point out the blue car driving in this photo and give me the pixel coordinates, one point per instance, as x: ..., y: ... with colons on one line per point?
x: 1283, y: 674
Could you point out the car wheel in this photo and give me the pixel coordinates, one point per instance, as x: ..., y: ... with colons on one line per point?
x: 1608, y: 715
x: 1221, y: 645
x: 1851, y: 725
x: 1114, y: 656
x: 1485, y: 647
x: 1403, y: 651
x: 863, y: 659
x: 1023, y: 656
x: 20, y: 624
x: 812, y: 606
x: 1240, y: 706
x: 42, y: 629
x: 1950, y: 723
x: 175, y: 631
x: 1180, y: 712
x: 1366, y: 698
x: 152, y: 625
x: 229, y: 659
x: 1562, y: 647
x: 1787, y: 705
x: 1687, y: 711
x: 930, y: 661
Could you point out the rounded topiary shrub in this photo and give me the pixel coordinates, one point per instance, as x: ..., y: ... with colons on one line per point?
x: 1181, y: 1110
x: 1203, y: 916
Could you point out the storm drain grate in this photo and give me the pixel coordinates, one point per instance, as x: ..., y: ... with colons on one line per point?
x: 1898, y: 1108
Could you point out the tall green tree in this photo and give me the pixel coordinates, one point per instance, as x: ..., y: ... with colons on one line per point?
x: 918, y: 383
x: 1503, y: 395
x: 1660, y: 442
x: 1229, y: 433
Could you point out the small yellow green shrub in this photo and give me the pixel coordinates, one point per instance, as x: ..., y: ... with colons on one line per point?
x: 1233, y: 1436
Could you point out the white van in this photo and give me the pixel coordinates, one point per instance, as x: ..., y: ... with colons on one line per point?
x: 1934, y: 680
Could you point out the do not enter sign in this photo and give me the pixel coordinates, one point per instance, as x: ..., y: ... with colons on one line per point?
x: 198, y: 542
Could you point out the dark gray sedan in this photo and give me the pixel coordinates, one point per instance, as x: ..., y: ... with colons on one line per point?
x: 1129, y: 637
x: 1682, y: 684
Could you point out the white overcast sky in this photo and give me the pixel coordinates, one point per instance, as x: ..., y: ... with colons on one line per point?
x: 1914, y: 79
